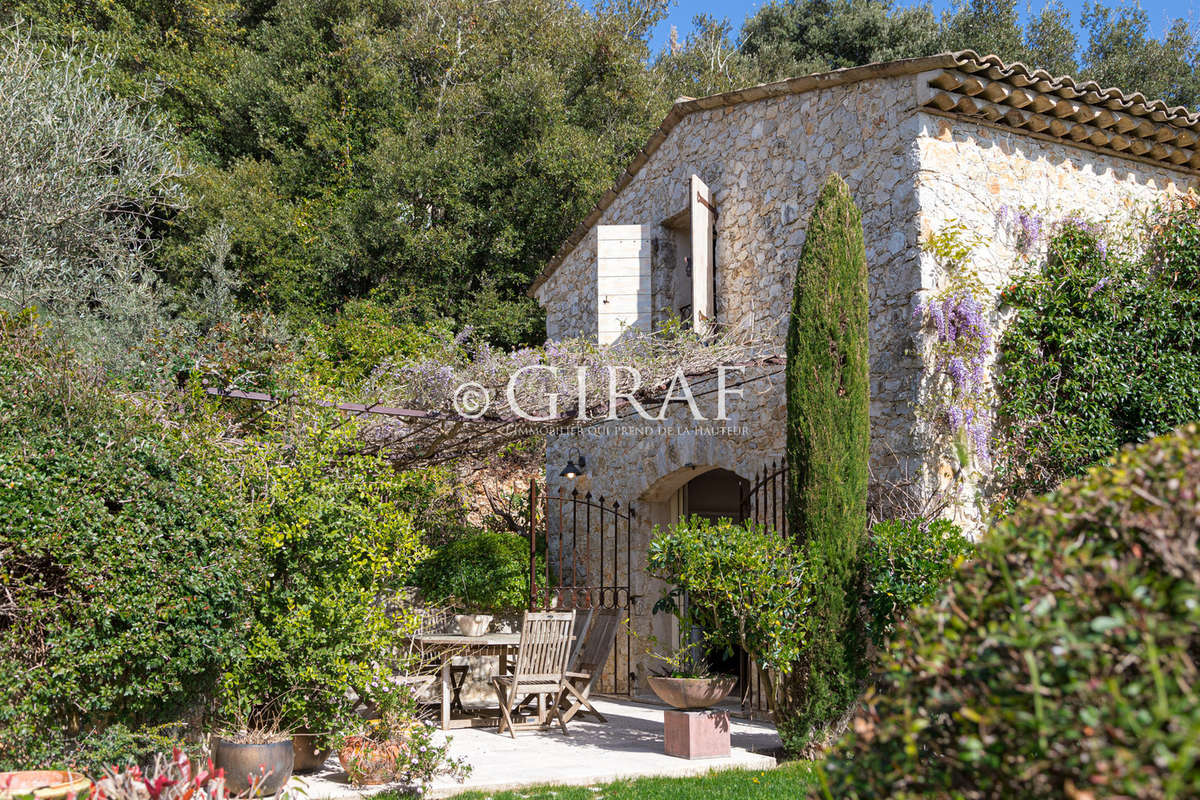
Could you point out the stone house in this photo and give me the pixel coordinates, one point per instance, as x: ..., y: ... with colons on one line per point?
x: 708, y: 221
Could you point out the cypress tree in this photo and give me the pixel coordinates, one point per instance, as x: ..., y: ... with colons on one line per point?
x: 827, y: 446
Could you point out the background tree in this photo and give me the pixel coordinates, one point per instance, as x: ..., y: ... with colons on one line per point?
x: 802, y: 36
x: 707, y: 62
x: 84, y: 178
x: 1122, y: 52
x: 828, y: 436
x: 434, y: 154
x: 431, y: 156
x: 793, y: 37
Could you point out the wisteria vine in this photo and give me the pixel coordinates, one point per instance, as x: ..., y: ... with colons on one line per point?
x: 962, y: 345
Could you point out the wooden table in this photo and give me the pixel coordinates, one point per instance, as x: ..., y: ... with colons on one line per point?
x: 450, y: 645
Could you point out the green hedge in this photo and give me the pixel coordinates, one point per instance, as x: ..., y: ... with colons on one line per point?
x: 1063, y: 661
x: 127, y: 577
x: 334, y: 535
x: 906, y: 563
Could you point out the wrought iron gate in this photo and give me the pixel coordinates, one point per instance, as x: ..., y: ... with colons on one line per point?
x: 765, y: 500
x: 583, y: 544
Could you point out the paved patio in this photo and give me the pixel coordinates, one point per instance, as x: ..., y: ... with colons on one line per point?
x: 630, y: 746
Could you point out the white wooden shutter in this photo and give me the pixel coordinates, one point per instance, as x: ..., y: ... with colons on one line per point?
x: 703, y: 309
x: 623, y: 256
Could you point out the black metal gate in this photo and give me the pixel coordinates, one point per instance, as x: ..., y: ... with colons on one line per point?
x: 580, y: 558
x: 765, y: 500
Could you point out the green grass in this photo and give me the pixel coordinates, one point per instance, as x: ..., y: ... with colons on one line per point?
x: 790, y: 780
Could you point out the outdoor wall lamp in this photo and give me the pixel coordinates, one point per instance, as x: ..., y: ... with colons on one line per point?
x: 573, y: 469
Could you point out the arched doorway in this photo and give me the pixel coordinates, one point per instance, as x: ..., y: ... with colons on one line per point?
x: 715, y: 494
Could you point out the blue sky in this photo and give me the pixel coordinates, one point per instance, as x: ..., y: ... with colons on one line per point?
x: 1161, y: 12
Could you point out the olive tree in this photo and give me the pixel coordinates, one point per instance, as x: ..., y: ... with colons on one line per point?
x: 85, y: 178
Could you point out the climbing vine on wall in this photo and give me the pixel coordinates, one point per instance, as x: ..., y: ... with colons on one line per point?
x: 1103, y: 348
x: 962, y: 397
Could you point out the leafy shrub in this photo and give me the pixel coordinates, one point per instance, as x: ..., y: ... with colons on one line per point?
x: 126, y: 575
x: 744, y: 584
x: 118, y: 744
x: 334, y: 539
x: 484, y: 570
x: 344, y: 349
x: 828, y: 434
x: 906, y: 563
x: 1060, y: 662
x: 174, y: 778
x: 1101, y: 351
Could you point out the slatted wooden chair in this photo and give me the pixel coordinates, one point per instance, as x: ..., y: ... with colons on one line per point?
x: 583, y: 620
x: 593, y: 655
x: 541, y: 668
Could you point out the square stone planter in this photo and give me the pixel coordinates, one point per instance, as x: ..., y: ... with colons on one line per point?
x: 696, y: 734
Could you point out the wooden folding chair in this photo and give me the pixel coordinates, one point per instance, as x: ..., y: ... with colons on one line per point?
x: 541, y: 667
x: 583, y: 620
x: 590, y: 663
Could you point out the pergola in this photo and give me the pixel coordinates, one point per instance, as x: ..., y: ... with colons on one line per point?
x: 419, y: 437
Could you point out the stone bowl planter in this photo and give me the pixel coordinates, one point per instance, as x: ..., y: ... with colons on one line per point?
x: 240, y: 761
x: 473, y: 624
x: 692, y: 693
x: 43, y: 784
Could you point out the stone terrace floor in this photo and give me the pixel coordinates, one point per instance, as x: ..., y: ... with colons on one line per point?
x: 629, y: 746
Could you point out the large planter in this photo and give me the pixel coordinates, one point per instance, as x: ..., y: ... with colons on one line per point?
x: 307, y: 757
x: 368, y: 762
x: 692, y: 693
x: 43, y: 784
x: 473, y: 624
x: 240, y: 761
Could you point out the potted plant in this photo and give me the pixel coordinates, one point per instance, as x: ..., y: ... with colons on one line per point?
x: 399, y: 747
x: 744, y: 588
x: 687, y: 682
x: 261, y: 759
x: 309, y: 751
x: 44, y: 784
x: 254, y: 746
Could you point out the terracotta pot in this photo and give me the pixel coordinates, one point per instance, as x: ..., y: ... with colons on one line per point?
x: 369, y: 762
x: 473, y: 624
x: 307, y: 757
x: 692, y: 693
x: 43, y: 784
x: 242, y: 760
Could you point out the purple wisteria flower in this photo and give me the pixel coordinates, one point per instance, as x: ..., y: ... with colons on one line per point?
x: 963, y: 344
x: 463, y: 335
x: 1100, y: 284
x: 1028, y: 225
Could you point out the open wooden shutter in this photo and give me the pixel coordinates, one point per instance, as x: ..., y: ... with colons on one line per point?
x: 623, y: 258
x: 703, y: 306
